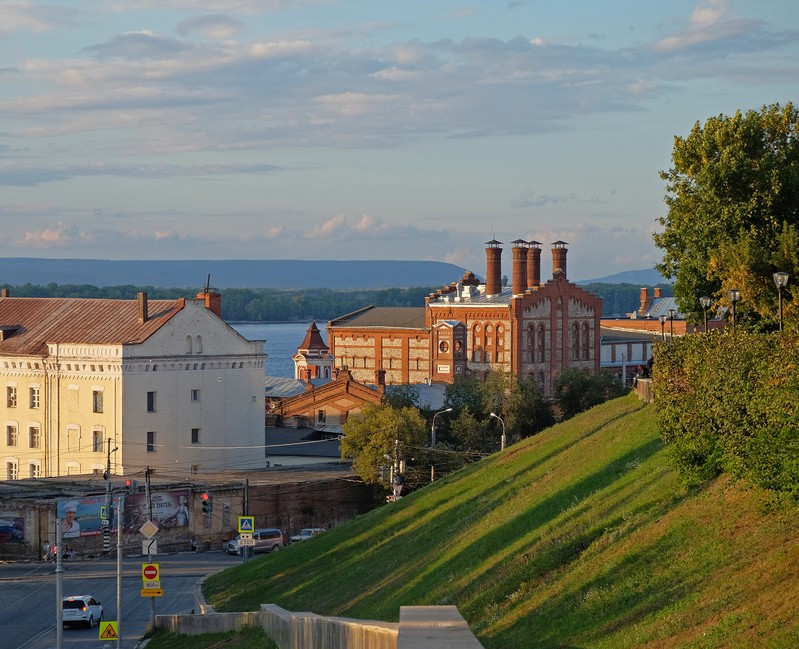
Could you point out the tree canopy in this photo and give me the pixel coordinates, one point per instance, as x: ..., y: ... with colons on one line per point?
x: 733, y: 199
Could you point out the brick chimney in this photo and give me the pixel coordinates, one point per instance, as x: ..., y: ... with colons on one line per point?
x: 658, y: 292
x: 644, y: 299
x: 519, y: 266
x: 533, y: 263
x: 559, y: 259
x: 142, y: 308
x: 212, y: 300
x: 493, y: 267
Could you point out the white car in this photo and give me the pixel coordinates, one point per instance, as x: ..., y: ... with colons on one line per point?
x: 81, y: 609
x: 306, y: 533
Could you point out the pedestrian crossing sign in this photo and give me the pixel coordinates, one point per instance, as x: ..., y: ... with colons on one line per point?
x: 109, y: 630
x: 246, y: 524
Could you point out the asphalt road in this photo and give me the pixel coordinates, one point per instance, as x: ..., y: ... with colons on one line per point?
x: 28, y: 597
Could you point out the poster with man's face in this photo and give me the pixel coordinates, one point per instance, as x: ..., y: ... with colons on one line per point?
x: 83, y: 516
x: 169, y: 509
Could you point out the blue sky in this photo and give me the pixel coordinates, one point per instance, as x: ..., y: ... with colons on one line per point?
x: 317, y: 129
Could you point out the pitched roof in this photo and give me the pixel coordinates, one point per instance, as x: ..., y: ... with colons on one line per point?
x: 313, y: 341
x: 30, y: 323
x: 395, y: 317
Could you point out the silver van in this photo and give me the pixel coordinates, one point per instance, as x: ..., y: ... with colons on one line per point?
x: 267, y: 539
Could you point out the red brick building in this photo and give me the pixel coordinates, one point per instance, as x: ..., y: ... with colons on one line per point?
x: 530, y: 328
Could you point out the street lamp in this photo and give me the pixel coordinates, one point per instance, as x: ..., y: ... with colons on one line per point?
x: 781, y: 280
x: 662, y: 318
x: 705, y: 302
x: 671, y: 323
x: 734, y: 295
x: 502, y: 441
x: 433, y: 429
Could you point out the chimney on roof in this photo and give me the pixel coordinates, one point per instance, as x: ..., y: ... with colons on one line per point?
x: 519, y: 266
x: 212, y: 301
x: 658, y: 292
x: 533, y: 263
x: 493, y: 267
x: 559, y: 259
x: 5, y: 292
x: 644, y: 299
x: 142, y: 308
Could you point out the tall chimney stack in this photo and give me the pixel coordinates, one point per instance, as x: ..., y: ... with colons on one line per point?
x: 142, y: 308
x: 519, y: 266
x: 559, y: 259
x: 212, y: 301
x: 534, y: 263
x: 493, y: 267
x: 644, y: 299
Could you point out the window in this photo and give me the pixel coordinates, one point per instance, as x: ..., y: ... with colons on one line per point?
x: 195, y: 468
x: 195, y: 435
x: 150, y: 441
x: 12, y: 471
x: 321, y: 417
x: 73, y: 438
x: 34, y: 437
x: 11, y: 435
x: 11, y: 396
x: 98, y: 441
x: 34, y: 398
x: 195, y: 395
x: 443, y: 347
x: 97, y: 401
x: 151, y: 402
x: 34, y: 470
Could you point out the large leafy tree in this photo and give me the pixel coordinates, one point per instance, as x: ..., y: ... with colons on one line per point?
x: 577, y: 389
x: 733, y: 199
x: 370, y: 435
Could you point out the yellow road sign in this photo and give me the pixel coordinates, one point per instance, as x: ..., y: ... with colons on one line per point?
x: 109, y: 630
x: 152, y: 592
x: 246, y: 524
x: 150, y: 572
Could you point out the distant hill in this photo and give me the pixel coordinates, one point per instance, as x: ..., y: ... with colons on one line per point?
x: 644, y: 277
x: 230, y: 273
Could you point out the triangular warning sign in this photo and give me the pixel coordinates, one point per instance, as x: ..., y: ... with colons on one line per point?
x: 108, y: 631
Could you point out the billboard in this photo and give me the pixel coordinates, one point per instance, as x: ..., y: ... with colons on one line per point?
x: 169, y: 509
x: 12, y: 527
x: 83, y: 516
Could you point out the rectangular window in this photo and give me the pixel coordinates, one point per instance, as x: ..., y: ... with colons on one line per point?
x: 150, y: 441
x: 11, y: 435
x: 98, y: 443
x: 97, y: 401
x: 151, y: 402
x: 321, y: 416
x: 195, y: 435
x: 35, y: 437
x: 11, y: 396
x: 34, y: 471
x: 195, y: 395
x: 195, y: 468
x: 12, y: 471
x: 34, y: 398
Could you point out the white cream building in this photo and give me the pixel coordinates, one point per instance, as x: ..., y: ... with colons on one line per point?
x: 91, y: 384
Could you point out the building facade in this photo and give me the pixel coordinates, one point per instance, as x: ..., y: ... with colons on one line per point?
x: 531, y: 328
x: 120, y: 385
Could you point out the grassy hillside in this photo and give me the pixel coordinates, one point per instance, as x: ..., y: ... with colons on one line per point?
x: 578, y: 537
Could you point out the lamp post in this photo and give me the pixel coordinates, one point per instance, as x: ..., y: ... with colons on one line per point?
x: 502, y: 440
x: 433, y: 428
x: 662, y: 318
x: 705, y: 302
x: 734, y: 295
x: 781, y: 280
x: 671, y: 324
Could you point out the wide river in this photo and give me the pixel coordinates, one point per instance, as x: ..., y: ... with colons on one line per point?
x: 282, y: 340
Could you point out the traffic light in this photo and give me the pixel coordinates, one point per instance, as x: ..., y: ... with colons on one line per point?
x: 128, y: 485
x: 208, y: 503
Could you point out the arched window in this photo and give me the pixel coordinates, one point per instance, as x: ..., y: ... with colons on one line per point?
x: 542, y: 339
x: 530, y: 337
x: 188, y: 345
x: 198, y: 345
x: 575, y: 341
x: 586, y: 347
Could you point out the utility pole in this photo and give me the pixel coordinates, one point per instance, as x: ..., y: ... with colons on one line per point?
x: 396, y: 479
x: 150, y: 545
x: 59, y: 587
x: 108, y: 501
x: 119, y: 571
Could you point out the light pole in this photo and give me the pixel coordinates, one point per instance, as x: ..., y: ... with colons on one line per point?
x: 433, y: 428
x: 781, y: 280
x: 734, y: 295
x: 502, y: 440
x: 662, y: 318
x: 705, y: 302
x: 671, y: 324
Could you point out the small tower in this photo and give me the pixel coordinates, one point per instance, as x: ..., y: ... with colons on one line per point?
x: 313, y: 359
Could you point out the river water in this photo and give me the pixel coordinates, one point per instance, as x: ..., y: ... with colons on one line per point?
x: 282, y: 340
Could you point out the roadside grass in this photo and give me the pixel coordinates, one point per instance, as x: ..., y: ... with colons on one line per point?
x: 244, y: 638
x: 579, y: 536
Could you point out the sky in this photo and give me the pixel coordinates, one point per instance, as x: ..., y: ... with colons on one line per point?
x: 365, y: 129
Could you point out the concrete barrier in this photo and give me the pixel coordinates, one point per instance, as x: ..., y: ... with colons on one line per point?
x: 434, y: 627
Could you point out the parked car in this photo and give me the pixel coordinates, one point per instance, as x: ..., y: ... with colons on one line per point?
x: 81, y: 609
x: 306, y: 533
x: 268, y: 539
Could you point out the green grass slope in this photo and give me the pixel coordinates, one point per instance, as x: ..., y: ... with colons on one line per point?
x: 579, y: 537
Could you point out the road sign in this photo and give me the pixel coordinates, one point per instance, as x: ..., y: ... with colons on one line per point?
x: 152, y: 592
x: 151, y: 585
x: 108, y: 630
x: 246, y: 524
x: 149, y: 529
x: 246, y: 540
x: 150, y: 572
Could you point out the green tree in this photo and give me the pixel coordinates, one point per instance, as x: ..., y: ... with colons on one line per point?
x: 576, y: 389
x: 527, y: 411
x: 733, y: 209
x: 370, y: 434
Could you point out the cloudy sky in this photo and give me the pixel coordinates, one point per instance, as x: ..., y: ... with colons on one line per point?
x: 365, y: 129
